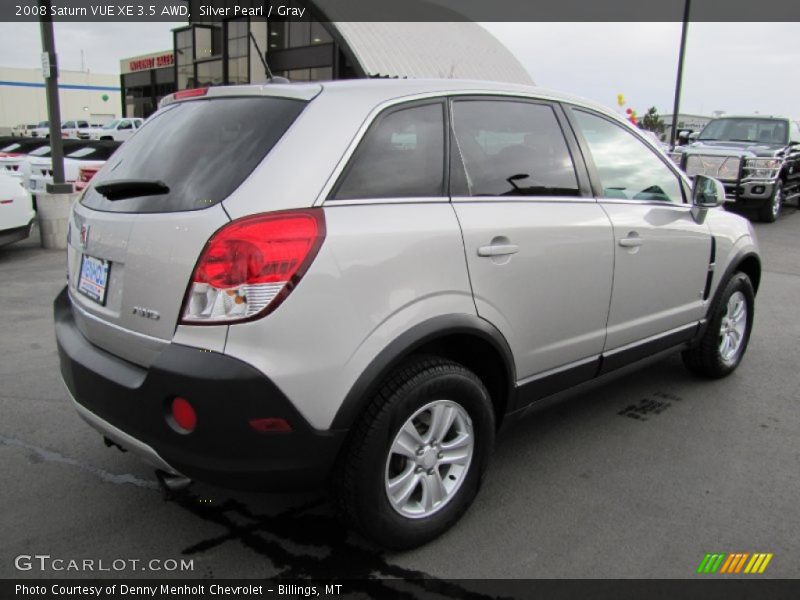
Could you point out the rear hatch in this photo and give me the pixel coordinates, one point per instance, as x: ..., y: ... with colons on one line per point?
x: 132, y: 250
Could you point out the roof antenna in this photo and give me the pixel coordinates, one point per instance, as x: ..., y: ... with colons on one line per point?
x: 267, y: 71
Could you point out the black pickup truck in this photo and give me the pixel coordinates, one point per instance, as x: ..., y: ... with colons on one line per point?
x: 756, y: 158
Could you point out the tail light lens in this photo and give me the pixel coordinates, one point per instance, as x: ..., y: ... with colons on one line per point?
x: 251, y: 265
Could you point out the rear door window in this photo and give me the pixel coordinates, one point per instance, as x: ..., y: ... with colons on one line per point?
x: 201, y: 149
x: 513, y: 148
x: 400, y: 156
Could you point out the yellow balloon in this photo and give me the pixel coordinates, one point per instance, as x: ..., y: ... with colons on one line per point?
x: 620, y: 99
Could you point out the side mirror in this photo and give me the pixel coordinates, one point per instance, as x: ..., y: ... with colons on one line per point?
x: 707, y: 192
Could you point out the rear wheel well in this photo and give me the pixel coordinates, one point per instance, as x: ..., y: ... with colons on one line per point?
x: 482, y: 358
x: 752, y: 268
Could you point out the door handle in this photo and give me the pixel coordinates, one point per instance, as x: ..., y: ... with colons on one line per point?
x: 498, y: 250
x: 632, y: 241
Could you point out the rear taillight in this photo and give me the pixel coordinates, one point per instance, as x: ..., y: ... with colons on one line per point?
x: 251, y: 265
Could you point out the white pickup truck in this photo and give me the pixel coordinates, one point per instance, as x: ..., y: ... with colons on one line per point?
x: 118, y: 129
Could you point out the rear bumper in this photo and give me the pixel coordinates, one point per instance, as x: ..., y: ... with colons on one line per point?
x: 129, y: 404
x: 9, y: 236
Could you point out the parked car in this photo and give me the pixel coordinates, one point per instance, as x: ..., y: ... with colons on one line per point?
x: 22, y: 130
x: 119, y: 130
x: 757, y: 159
x: 85, y: 175
x: 84, y: 153
x: 16, y: 161
x: 41, y: 130
x: 72, y: 129
x: 16, y: 211
x: 251, y: 308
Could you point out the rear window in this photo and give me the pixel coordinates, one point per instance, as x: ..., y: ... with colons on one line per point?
x: 201, y: 149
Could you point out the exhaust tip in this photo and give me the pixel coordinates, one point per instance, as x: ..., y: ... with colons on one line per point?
x: 172, y: 485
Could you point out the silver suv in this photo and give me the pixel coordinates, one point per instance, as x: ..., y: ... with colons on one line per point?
x: 357, y: 283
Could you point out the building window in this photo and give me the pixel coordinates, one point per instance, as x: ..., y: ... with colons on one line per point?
x: 207, y: 41
x: 297, y: 34
x: 184, y: 58
x: 209, y: 73
x: 238, y: 42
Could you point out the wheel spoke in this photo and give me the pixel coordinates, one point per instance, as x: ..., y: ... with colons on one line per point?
x: 408, y: 440
x: 726, y: 342
x: 455, y: 456
x: 738, y: 312
x: 433, y: 491
x: 442, y: 417
x: 402, y: 486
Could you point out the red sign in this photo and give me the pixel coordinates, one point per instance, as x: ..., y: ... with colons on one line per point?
x: 152, y: 62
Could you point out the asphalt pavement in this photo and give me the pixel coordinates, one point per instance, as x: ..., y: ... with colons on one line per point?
x: 640, y: 477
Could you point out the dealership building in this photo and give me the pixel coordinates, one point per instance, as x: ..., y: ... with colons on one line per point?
x: 94, y: 97
x: 242, y: 50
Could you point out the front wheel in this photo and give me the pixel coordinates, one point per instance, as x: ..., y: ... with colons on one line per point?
x: 770, y: 212
x: 725, y: 340
x: 415, y: 458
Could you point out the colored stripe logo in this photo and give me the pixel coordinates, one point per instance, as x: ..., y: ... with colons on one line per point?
x: 739, y: 562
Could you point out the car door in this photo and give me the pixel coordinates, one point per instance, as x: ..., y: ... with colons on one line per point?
x: 539, y: 248
x: 124, y: 130
x: 662, y: 254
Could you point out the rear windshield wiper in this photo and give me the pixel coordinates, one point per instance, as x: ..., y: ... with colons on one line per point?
x: 131, y: 188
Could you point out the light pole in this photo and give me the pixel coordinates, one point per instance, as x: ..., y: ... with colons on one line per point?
x: 677, y: 105
x: 50, y: 73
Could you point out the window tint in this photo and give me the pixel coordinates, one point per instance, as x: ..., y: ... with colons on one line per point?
x: 513, y: 149
x: 627, y: 168
x: 203, y: 150
x: 401, y: 156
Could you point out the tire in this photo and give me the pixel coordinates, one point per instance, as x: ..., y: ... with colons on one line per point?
x: 770, y: 212
x: 710, y: 357
x: 369, y: 462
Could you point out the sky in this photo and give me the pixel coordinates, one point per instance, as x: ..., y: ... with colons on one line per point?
x: 731, y: 67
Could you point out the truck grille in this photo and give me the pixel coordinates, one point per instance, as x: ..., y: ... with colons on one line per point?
x: 721, y: 167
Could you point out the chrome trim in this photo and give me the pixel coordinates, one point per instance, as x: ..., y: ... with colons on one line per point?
x: 370, y: 201
x: 84, y: 313
x: 652, y: 338
x: 567, y: 367
x: 548, y: 199
x: 125, y: 440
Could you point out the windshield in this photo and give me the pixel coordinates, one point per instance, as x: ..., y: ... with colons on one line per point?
x: 200, y: 150
x: 763, y: 131
x: 111, y: 125
x: 42, y: 124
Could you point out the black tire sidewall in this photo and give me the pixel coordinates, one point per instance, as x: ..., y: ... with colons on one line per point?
x: 377, y: 514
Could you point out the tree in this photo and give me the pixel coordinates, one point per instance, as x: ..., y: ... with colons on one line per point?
x: 652, y: 121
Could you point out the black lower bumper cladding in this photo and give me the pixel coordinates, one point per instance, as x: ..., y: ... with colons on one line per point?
x: 225, y: 393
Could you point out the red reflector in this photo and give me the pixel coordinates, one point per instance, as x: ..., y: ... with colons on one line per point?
x: 6, y: 201
x: 183, y: 414
x: 270, y: 425
x: 190, y: 93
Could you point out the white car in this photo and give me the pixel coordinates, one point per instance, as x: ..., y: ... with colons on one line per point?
x: 72, y: 129
x: 22, y: 130
x: 118, y: 129
x: 42, y: 130
x: 93, y: 154
x: 16, y: 211
x: 17, y: 164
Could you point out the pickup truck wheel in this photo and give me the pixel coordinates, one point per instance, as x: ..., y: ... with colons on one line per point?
x: 724, y: 342
x: 770, y: 212
x: 415, y: 458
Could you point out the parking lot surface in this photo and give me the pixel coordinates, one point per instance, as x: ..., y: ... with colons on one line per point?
x: 640, y: 477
